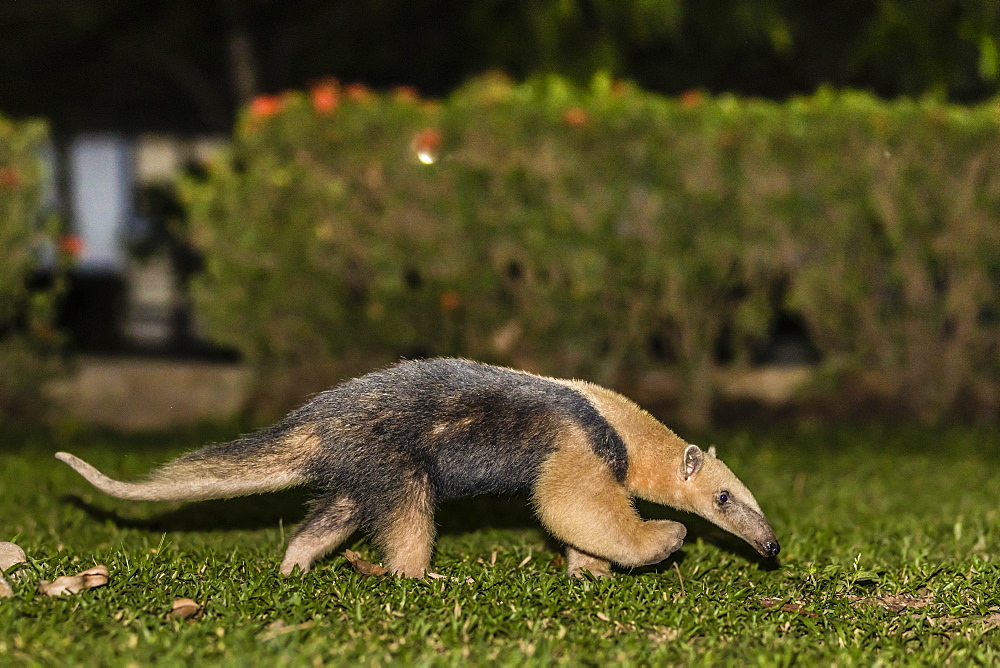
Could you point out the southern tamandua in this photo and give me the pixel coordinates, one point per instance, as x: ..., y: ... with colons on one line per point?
x: 382, y: 449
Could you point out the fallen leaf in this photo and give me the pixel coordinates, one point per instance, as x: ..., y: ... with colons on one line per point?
x: 795, y: 607
x: 184, y: 608
x: 439, y: 576
x: 74, y: 584
x: 663, y: 634
x: 10, y: 554
x: 992, y: 620
x: 897, y: 602
x: 773, y: 602
x: 362, y: 566
x: 280, y: 627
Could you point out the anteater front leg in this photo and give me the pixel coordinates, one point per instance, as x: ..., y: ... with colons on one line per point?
x: 578, y: 499
x: 327, y: 525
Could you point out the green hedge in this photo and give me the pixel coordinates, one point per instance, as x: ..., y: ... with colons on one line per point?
x: 605, y: 231
x: 27, y: 337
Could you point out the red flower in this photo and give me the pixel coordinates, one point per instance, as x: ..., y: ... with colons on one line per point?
x: 426, y: 144
x: 71, y: 245
x: 265, y: 105
x: 10, y: 178
x: 427, y: 139
x: 359, y: 92
x: 406, y: 93
x: 691, y: 99
x: 325, y: 97
x: 450, y: 301
x: 575, y: 117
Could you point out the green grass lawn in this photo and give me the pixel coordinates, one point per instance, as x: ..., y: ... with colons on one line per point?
x: 889, y: 556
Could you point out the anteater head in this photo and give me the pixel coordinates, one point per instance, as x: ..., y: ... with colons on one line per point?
x: 709, y: 489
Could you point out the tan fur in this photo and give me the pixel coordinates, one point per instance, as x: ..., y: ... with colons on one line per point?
x: 577, y: 562
x: 654, y: 451
x: 408, y: 540
x: 656, y: 459
x: 194, y: 481
x: 314, y: 540
x: 180, y: 484
x: 579, y: 501
x: 453, y: 425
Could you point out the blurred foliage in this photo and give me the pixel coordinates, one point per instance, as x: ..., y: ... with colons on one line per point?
x: 185, y: 64
x: 605, y: 231
x: 27, y: 336
x: 576, y: 37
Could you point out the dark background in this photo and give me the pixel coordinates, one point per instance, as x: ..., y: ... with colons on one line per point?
x: 185, y: 65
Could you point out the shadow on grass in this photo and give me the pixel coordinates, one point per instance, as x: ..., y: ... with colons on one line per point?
x: 289, y: 507
x: 245, y: 513
x: 699, y: 529
x: 453, y: 518
x: 477, y: 513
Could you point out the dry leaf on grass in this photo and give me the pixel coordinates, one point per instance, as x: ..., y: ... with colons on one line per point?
x: 280, y: 627
x: 74, y: 584
x: 897, y: 602
x: 795, y: 607
x: 955, y: 624
x: 439, y: 576
x: 992, y: 620
x: 368, y: 568
x: 10, y: 554
x: 769, y: 602
x: 662, y: 634
x: 362, y: 566
x: 185, y: 608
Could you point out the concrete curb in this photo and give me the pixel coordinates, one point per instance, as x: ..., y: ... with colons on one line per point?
x: 135, y: 394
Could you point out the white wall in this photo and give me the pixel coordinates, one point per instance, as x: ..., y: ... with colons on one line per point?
x: 100, y: 184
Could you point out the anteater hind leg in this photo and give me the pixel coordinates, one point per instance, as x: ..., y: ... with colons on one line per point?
x: 577, y: 562
x: 578, y: 499
x: 406, y: 533
x: 328, y: 524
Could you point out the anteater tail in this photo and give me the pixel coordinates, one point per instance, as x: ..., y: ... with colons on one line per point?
x: 250, y: 465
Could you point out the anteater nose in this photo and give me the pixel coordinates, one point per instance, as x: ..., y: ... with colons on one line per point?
x: 771, y: 548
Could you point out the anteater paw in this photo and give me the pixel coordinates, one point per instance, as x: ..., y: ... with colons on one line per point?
x: 667, y: 538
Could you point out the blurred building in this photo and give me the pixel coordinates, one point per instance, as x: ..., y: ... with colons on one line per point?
x: 115, y: 192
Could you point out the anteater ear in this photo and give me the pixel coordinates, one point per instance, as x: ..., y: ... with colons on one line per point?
x: 693, y: 458
x: 711, y: 452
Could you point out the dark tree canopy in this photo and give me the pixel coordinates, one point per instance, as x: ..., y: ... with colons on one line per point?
x: 185, y: 64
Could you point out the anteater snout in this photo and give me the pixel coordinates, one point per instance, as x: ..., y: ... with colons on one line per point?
x: 769, y: 549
